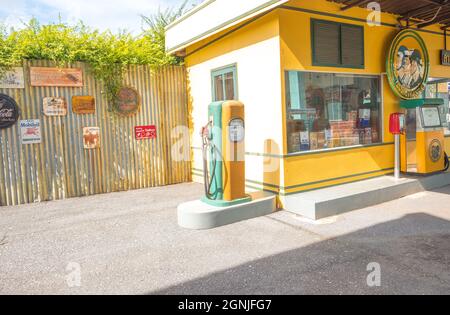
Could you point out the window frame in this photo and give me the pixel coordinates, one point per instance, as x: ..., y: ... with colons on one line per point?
x: 232, y: 68
x: 341, y: 148
x: 341, y: 64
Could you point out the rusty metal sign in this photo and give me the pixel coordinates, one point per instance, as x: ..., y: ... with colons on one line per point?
x: 13, y: 79
x: 91, y: 137
x: 55, y: 106
x: 83, y: 104
x: 9, y: 111
x: 128, y: 101
x: 44, y: 76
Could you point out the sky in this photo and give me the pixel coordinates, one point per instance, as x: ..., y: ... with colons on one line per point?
x: 101, y: 14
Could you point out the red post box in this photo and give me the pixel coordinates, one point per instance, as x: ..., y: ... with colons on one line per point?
x: 397, y: 123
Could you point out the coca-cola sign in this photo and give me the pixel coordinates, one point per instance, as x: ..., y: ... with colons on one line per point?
x: 9, y: 111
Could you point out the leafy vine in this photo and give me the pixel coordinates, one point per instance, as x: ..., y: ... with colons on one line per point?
x: 107, y: 54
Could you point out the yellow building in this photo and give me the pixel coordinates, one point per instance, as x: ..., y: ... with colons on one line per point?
x: 312, y: 76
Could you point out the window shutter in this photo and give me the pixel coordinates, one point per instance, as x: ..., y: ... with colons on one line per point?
x: 326, y: 43
x: 352, y: 45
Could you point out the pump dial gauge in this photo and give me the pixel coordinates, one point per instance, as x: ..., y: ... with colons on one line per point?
x: 236, y: 130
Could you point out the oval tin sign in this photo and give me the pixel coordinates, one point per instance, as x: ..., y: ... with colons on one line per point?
x: 9, y: 111
x: 408, y: 65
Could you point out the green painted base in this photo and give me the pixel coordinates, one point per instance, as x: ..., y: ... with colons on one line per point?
x: 224, y: 203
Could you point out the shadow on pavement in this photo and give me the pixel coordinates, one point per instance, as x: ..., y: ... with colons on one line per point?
x: 413, y: 253
x: 444, y: 190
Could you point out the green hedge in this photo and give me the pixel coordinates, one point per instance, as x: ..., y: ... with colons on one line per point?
x: 107, y: 54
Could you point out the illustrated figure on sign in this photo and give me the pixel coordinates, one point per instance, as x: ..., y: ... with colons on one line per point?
x: 32, y: 132
x: 404, y: 66
x: 417, y: 69
x: 402, y: 52
x: 90, y: 139
x: 410, y: 68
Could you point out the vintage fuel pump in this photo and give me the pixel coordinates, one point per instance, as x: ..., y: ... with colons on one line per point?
x: 422, y: 139
x: 223, y: 144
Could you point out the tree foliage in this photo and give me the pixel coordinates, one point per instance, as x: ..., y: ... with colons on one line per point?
x: 107, y: 54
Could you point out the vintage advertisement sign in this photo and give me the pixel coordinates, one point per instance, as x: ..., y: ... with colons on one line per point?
x: 9, y: 111
x: 83, y: 104
x: 435, y: 150
x: 44, y: 76
x: 408, y: 65
x: 13, y: 79
x: 55, y: 106
x: 445, y: 57
x: 30, y: 131
x: 128, y: 101
x: 145, y: 132
x: 91, y: 137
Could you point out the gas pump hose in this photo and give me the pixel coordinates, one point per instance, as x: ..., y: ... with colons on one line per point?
x: 208, y: 181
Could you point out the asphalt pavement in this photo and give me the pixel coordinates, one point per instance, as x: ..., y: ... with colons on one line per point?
x: 130, y: 243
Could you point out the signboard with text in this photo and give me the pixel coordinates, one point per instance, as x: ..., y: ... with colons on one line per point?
x: 145, y: 132
x: 13, y: 79
x: 83, y: 104
x: 91, y: 137
x: 65, y: 77
x: 30, y: 131
x: 55, y: 106
x: 128, y: 101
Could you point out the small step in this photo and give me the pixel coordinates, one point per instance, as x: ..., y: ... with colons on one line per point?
x: 321, y: 203
x: 197, y: 215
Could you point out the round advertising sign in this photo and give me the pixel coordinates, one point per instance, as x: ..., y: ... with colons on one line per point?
x: 9, y: 111
x: 435, y: 150
x: 128, y: 101
x: 408, y: 65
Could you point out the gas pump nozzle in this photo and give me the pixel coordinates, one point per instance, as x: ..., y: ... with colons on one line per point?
x: 206, y: 132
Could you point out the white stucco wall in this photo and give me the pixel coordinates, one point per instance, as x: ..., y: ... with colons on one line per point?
x: 259, y: 88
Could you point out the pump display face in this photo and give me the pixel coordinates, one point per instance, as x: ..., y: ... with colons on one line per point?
x: 236, y: 130
x: 431, y: 118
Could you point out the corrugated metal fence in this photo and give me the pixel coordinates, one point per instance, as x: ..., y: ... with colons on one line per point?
x: 60, y: 167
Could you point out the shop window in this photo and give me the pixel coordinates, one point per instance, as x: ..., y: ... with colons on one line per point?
x: 224, y: 84
x: 329, y: 110
x: 440, y: 88
x: 337, y: 45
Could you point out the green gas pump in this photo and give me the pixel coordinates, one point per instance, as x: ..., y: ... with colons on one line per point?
x: 212, y: 155
x: 222, y: 141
